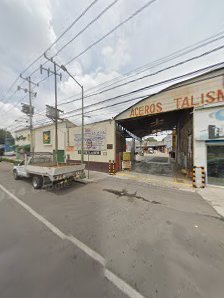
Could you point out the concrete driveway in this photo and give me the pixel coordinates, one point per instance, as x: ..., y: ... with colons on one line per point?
x: 160, y: 241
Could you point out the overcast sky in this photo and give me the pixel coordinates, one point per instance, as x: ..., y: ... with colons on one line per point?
x: 29, y: 27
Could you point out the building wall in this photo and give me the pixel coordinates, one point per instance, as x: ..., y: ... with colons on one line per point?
x: 39, y: 145
x: 193, y: 93
x: 107, y: 151
x: 22, y: 134
x: 120, y: 146
x: 203, y: 117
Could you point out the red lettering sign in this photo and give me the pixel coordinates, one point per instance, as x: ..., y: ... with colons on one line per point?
x: 180, y: 103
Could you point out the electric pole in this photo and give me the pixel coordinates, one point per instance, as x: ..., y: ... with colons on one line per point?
x: 54, y: 72
x: 30, y: 110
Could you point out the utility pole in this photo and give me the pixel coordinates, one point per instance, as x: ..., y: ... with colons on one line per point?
x: 82, y: 88
x: 30, y: 111
x: 54, y: 72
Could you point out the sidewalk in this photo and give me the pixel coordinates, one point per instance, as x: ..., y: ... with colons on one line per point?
x: 94, y: 176
x: 215, y: 197
x: 162, y: 181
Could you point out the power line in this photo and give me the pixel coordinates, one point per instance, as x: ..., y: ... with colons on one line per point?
x: 105, y: 107
x: 149, y: 75
x: 181, y: 50
x: 60, y: 36
x: 88, y: 25
x: 63, y: 33
x: 161, y: 70
x: 112, y: 30
x: 80, y: 32
x: 151, y: 86
x: 116, y: 27
x: 203, y: 70
x: 151, y: 65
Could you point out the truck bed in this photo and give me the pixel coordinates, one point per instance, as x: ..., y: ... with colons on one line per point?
x: 53, y: 169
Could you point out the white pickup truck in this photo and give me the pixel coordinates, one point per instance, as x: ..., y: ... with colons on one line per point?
x: 44, y: 172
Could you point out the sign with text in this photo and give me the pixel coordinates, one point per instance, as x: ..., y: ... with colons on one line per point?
x: 70, y: 149
x: 89, y: 152
x: 204, y: 92
x: 94, y: 139
x: 178, y: 103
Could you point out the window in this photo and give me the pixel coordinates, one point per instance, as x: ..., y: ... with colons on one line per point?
x: 215, y: 164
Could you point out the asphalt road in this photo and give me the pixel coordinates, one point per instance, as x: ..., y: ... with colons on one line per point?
x: 160, y: 241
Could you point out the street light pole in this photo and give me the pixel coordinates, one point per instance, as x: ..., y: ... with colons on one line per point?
x: 82, y: 129
x: 55, y: 116
x: 82, y: 147
x: 31, y: 117
x: 56, y: 111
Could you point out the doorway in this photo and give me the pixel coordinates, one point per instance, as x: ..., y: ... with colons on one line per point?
x: 61, y: 156
x: 215, y: 164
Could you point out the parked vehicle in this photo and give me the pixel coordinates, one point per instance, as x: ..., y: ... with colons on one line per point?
x: 2, y: 150
x: 44, y: 172
x: 9, y: 153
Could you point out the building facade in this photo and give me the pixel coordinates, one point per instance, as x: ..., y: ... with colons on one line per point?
x: 192, y: 110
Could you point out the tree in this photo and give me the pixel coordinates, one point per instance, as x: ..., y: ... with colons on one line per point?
x: 6, y: 137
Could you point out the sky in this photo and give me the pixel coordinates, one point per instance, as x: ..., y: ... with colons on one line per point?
x: 29, y: 27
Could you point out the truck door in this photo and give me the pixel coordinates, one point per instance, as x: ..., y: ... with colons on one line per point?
x: 21, y: 169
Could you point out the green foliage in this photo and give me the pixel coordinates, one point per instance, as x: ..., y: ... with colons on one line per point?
x: 9, y: 160
x: 20, y: 138
x: 4, y: 134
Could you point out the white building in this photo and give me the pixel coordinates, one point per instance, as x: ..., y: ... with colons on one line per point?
x: 192, y: 109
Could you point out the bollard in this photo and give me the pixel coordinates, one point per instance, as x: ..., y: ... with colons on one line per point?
x: 113, y: 168
x: 198, y: 177
x: 110, y: 168
x: 203, y: 177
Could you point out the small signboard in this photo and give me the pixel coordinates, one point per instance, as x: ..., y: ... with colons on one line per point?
x: 96, y: 136
x: 127, y: 156
x: 90, y: 152
x: 109, y: 146
x: 126, y: 165
x: 70, y: 149
x: 47, y: 137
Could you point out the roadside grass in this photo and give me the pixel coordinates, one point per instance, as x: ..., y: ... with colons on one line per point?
x: 6, y: 159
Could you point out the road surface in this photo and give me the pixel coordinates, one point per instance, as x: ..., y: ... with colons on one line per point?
x: 113, y: 238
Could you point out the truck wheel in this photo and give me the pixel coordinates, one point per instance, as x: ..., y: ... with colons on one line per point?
x: 15, y: 175
x: 37, y: 182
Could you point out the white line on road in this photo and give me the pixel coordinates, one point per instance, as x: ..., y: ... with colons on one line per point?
x: 90, y: 252
x: 122, y: 285
x: 118, y: 282
x: 51, y: 227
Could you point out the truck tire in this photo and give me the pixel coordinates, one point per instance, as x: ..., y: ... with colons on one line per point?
x: 15, y: 175
x: 37, y: 182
